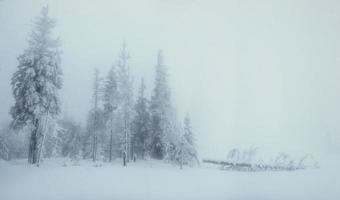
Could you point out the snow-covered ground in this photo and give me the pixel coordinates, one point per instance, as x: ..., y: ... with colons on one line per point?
x: 154, y: 180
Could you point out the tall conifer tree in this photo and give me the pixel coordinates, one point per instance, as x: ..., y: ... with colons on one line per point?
x: 161, y: 111
x: 141, y: 124
x: 36, y: 84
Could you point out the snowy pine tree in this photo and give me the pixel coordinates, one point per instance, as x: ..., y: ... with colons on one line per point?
x: 93, y: 121
x: 162, y: 113
x: 110, y: 99
x: 183, y: 149
x: 36, y: 84
x: 189, y: 151
x: 125, y: 104
x: 141, y: 124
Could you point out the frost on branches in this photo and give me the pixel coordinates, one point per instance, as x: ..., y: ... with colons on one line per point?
x: 141, y: 124
x: 36, y: 84
x: 162, y: 113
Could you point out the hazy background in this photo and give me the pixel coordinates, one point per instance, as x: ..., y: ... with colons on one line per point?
x: 250, y: 73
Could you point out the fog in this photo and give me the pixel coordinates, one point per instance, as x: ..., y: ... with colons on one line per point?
x: 249, y: 73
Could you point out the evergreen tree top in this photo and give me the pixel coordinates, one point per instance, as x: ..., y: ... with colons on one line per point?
x: 41, y: 41
x: 36, y: 83
x: 160, y: 58
x: 161, y: 92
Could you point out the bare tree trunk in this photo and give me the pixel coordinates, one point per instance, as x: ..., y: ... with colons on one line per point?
x: 110, y: 153
x: 124, y: 158
x: 34, y: 146
x: 181, y: 161
x: 126, y: 142
x: 94, y: 148
x: 133, y: 151
x: 95, y: 125
x: 42, y: 135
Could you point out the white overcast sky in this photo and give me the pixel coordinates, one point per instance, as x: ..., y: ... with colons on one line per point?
x: 250, y: 73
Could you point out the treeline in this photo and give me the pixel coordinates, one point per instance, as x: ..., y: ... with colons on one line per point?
x: 119, y: 124
x: 120, y: 127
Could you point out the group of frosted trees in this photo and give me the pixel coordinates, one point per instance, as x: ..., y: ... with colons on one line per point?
x: 119, y: 125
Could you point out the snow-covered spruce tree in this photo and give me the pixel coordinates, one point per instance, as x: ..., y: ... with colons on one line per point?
x: 190, y: 153
x: 141, y: 124
x: 36, y: 84
x: 93, y: 138
x: 125, y: 102
x: 163, y: 123
x: 110, y: 101
x: 94, y: 115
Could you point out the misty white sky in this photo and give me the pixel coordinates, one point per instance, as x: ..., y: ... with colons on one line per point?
x: 250, y: 73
